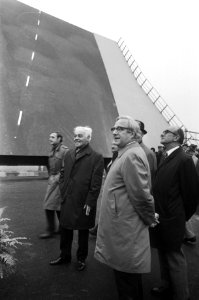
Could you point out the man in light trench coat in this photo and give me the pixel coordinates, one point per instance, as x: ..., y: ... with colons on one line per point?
x: 52, y: 200
x: 127, y: 210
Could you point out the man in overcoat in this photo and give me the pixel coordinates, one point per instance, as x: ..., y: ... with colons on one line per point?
x: 52, y: 200
x: 127, y: 210
x: 176, y: 194
x: 149, y: 153
x: 80, y: 186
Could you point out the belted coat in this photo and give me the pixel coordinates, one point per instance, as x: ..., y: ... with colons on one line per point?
x: 52, y: 199
x: 176, y: 195
x: 80, y: 185
x: 127, y: 209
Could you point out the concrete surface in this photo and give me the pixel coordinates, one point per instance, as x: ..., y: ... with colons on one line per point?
x: 36, y: 279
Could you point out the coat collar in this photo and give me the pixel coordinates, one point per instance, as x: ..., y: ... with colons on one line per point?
x: 55, y: 149
x: 170, y: 157
x: 85, y: 151
x: 128, y: 146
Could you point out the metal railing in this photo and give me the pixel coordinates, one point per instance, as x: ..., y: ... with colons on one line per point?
x: 154, y: 96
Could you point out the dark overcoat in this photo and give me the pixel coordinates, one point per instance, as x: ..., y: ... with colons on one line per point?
x: 176, y: 195
x: 80, y: 185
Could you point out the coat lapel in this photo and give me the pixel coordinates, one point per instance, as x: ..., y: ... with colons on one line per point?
x: 72, y: 155
x: 85, y: 151
x: 169, y: 158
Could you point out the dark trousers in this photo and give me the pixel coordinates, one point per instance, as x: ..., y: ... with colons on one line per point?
x: 50, y: 217
x: 66, y: 244
x: 173, y: 268
x: 129, y: 285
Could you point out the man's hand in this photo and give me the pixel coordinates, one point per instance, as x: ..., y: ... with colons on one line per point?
x: 156, y: 221
x: 87, y: 208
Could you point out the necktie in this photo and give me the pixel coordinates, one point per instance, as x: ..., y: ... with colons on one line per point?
x: 164, y: 155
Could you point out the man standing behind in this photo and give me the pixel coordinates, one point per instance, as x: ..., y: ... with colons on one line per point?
x: 159, y: 154
x: 127, y: 209
x: 149, y: 153
x: 114, y: 149
x: 52, y: 200
x: 80, y: 186
x: 176, y: 193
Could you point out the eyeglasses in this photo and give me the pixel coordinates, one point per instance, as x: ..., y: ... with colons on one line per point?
x: 168, y: 131
x: 119, y: 128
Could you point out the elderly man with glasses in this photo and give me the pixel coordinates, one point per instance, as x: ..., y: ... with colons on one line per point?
x: 127, y: 210
x: 176, y: 193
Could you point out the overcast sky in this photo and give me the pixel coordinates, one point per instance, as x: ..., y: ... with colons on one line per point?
x: 162, y: 36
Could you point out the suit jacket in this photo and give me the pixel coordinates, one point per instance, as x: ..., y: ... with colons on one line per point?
x: 80, y: 184
x: 176, y: 195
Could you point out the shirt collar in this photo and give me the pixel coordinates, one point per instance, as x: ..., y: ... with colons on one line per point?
x: 172, y: 150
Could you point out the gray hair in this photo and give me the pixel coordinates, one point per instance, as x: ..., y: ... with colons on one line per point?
x: 86, y: 129
x: 132, y: 125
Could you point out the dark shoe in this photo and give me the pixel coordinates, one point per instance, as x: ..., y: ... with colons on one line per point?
x: 81, y: 265
x: 59, y: 261
x: 190, y: 241
x: 159, y: 291
x: 46, y: 235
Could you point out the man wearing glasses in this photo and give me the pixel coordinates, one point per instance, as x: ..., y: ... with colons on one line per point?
x: 127, y: 210
x: 176, y: 193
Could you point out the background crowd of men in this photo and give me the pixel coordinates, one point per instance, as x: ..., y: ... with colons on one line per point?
x: 147, y: 200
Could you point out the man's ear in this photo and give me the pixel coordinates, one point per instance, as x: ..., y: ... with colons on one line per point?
x: 132, y: 134
x: 177, y: 137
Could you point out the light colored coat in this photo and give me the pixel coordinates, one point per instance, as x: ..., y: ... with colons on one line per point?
x: 52, y: 200
x: 126, y: 211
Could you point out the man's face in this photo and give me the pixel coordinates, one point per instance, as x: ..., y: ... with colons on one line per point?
x: 80, y: 138
x: 121, y: 135
x: 53, y: 139
x: 169, y: 136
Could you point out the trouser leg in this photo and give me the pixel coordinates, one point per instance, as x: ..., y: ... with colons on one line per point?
x: 82, y: 251
x: 58, y: 217
x: 50, y: 218
x: 178, y: 273
x: 129, y: 285
x: 175, y: 271
x: 58, y: 214
x: 66, y: 239
x: 164, y: 269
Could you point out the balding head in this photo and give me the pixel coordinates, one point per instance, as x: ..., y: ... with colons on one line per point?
x: 173, y: 134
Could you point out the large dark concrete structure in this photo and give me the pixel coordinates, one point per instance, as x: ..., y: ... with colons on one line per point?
x: 52, y: 78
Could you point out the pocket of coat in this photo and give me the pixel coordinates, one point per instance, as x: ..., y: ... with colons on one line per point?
x: 115, y: 204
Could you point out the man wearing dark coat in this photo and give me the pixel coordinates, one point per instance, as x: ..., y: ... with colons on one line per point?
x: 176, y: 194
x: 151, y: 157
x: 80, y: 185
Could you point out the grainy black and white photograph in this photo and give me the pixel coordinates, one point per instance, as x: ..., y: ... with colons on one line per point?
x: 99, y: 152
